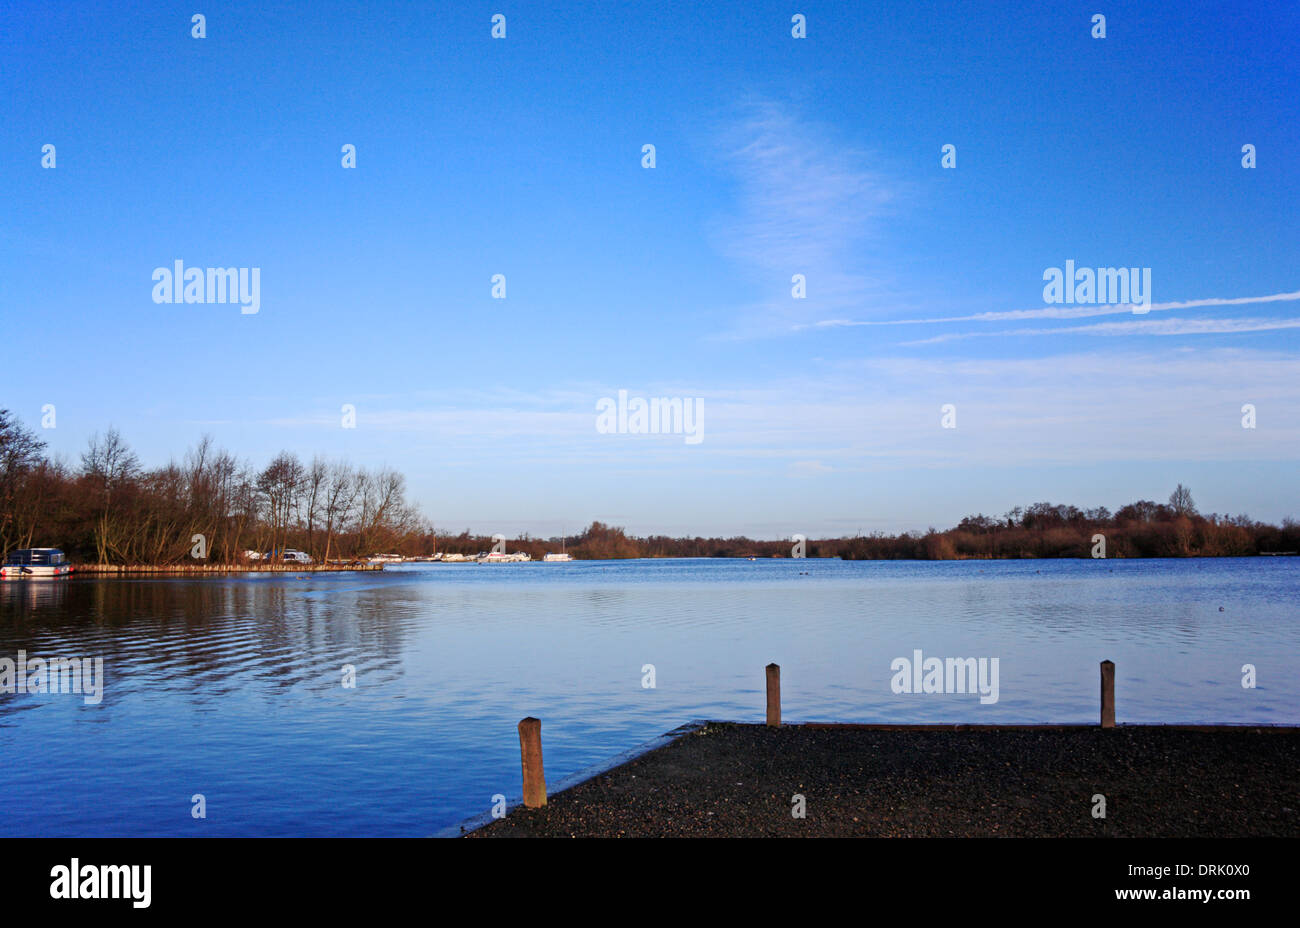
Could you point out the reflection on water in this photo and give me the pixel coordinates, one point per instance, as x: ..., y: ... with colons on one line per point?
x: 32, y: 595
x: 203, y: 638
x: 233, y: 687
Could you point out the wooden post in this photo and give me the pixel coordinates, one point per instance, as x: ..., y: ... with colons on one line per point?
x: 1107, y: 694
x: 773, y: 695
x: 530, y: 753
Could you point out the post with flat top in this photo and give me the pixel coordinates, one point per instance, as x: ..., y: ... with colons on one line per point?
x: 1107, y: 694
x: 773, y: 695
x: 530, y: 753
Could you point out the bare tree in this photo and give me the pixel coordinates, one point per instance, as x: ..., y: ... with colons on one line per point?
x: 316, y: 489
x: 1180, y: 501
x: 384, y: 514
x: 20, y: 455
x: 281, y: 485
x: 110, y: 467
x: 340, y: 495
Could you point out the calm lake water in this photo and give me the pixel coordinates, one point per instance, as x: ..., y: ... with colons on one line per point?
x: 232, y: 687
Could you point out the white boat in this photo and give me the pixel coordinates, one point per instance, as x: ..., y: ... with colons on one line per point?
x: 561, y: 557
x: 454, y: 558
x: 35, y: 564
x: 495, y: 558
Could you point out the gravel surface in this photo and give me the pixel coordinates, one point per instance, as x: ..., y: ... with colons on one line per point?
x: 729, y: 780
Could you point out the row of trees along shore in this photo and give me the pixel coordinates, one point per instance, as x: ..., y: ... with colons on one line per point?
x: 109, y: 509
x: 1043, y: 530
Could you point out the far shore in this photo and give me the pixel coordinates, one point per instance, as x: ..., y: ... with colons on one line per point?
x: 114, y: 569
x: 120, y: 570
x: 117, y: 569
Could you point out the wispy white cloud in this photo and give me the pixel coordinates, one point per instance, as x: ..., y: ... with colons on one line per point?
x: 1136, y: 327
x: 1056, y: 312
x: 804, y: 201
x: 881, y: 413
x: 809, y: 468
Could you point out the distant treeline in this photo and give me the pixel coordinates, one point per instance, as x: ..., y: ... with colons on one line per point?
x: 1140, y: 529
x: 108, y: 509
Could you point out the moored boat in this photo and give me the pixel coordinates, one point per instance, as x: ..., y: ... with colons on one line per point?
x: 35, y: 564
x: 496, y: 558
x: 561, y: 557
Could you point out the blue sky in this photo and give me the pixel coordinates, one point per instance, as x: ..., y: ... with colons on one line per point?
x: 775, y: 156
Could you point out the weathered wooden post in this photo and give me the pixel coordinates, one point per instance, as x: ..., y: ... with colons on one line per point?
x: 773, y: 695
x: 530, y: 754
x: 1107, y: 694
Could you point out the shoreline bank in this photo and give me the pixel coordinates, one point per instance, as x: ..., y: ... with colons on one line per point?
x: 728, y: 779
x: 113, y: 570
